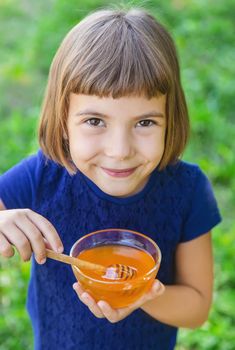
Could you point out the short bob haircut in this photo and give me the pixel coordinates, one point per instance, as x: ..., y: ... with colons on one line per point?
x: 114, y: 53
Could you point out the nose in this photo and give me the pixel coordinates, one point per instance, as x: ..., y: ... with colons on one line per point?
x: 119, y: 144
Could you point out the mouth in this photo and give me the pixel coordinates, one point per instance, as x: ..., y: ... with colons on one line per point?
x: 119, y: 172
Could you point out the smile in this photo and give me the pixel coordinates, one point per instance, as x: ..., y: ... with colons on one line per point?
x: 119, y: 172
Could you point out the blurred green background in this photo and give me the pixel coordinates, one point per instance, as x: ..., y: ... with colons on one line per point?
x: 204, y: 31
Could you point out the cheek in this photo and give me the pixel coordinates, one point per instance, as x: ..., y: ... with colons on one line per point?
x: 153, y: 147
x: 82, y: 147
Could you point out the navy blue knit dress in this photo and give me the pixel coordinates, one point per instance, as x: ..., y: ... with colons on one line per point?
x: 176, y: 205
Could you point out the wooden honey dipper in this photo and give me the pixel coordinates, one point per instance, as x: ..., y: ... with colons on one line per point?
x: 112, y: 272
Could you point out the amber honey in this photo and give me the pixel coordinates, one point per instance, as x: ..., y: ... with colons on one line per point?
x: 118, y: 294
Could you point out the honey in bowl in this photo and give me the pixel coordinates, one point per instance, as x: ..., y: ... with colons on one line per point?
x: 111, y: 247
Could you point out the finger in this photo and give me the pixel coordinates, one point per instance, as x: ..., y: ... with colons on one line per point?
x: 47, y: 229
x: 157, y: 289
x: 112, y: 315
x: 78, y: 289
x: 16, y: 237
x: 87, y: 300
x: 92, y: 305
x: 34, y: 236
x: 6, y: 248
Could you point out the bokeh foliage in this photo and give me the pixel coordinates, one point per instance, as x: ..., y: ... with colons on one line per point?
x: 204, y: 31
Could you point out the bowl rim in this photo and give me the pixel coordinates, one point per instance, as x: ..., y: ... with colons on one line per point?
x: 156, y: 266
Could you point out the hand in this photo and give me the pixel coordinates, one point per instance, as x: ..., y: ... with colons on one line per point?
x: 29, y: 232
x: 102, y: 309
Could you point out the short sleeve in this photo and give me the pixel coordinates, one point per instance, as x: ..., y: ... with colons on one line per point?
x: 202, y: 213
x: 18, y: 184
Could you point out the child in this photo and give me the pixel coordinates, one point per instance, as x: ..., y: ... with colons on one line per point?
x: 114, y: 124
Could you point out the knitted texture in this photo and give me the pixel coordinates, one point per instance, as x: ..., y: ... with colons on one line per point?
x: 176, y: 205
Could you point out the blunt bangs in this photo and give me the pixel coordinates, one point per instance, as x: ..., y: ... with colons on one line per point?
x: 116, y: 57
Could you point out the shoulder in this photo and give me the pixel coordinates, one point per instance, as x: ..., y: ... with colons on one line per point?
x: 201, y: 211
x: 184, y: 170
x: 22, y: 171
x: 33, y: 163
x: 192, y: 176
x: 33, y: 167
x: 39, y: 162
x: 18, y: 184
x: 47, y: 172
x: 183, y: 176
x: 21, y: 184
x: 187, y: 185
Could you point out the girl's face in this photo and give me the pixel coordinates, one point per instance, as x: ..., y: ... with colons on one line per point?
x: 116, y: 143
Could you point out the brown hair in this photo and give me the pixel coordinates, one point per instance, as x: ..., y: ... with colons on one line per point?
x: 114, y: 53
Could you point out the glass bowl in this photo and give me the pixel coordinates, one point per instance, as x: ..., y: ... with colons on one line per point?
x: 117, y: 246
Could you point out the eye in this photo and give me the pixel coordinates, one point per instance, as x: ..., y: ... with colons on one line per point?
x: 95, y: 122
x: 146, y: 123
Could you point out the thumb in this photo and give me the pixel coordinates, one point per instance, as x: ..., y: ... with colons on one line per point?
x: 157, y: 289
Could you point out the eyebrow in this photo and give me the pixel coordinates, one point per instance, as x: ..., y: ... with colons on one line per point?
x: 97, y: 114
